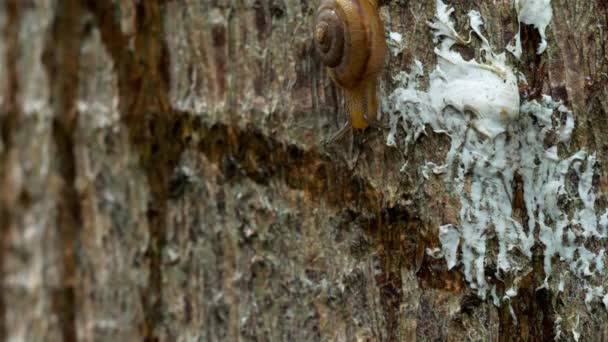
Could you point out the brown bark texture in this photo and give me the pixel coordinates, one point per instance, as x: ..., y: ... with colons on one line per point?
x: 164, y: 177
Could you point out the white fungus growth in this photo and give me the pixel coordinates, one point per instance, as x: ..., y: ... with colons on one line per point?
x: 450, y: 238
x: 396, y: 43
x: 575, y: 333
x: 532, y: 12
x: 444, y: 26
x: 500, y: 149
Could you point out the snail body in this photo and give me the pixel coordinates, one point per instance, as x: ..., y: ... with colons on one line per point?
x: 349, y: 37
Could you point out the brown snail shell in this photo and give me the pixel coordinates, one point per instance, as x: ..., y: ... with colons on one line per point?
x: 349, y: 37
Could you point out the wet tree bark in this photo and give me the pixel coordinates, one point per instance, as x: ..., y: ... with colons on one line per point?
x: 163, y: 177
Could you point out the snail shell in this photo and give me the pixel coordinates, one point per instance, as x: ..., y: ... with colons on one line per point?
x: 349, y: 37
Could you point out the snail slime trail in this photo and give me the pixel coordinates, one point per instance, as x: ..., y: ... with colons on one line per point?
x: 349, y: 37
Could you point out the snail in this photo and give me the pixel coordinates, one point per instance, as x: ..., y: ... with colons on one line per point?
x: 349, y: 37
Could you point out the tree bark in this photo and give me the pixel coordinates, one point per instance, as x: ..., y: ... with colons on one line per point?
x: 164, y: 177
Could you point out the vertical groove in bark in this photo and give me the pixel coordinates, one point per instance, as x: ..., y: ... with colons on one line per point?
x: 153, y: 126
x: 61, y: 58
x: 9, y: 115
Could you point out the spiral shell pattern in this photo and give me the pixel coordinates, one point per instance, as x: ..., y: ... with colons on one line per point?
x: 349, y: 37
x: 329, y: 35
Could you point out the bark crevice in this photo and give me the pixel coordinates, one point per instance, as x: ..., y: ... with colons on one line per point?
x: 141, y: 63
x: 61, y: 58
x: 9, y: 118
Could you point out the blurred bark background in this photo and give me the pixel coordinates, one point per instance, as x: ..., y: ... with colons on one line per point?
x: 163, y: 177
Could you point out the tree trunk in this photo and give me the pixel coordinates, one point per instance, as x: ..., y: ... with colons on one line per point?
x: 164, y: 177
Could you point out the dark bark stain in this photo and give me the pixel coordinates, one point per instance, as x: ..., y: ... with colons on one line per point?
x: 533, y: 308
x: 390, y: 230
x: 61, y: 59
x: 143, y: 81
x: 532, y: 65
x: 9, y: 116
x: 249, y: 153
x: 560, y: 93
x: 396, y: 232
x: 219, y: 34
x: 262, y: 19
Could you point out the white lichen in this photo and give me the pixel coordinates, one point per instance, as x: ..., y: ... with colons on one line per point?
x: 532, y: 12
x: 450, y: 239
x: 575, y: 332
x: 472, y: 102
x: 509, y: 165
x: 444, y: 26
x: 557, y: 327
x: 396, y: 43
